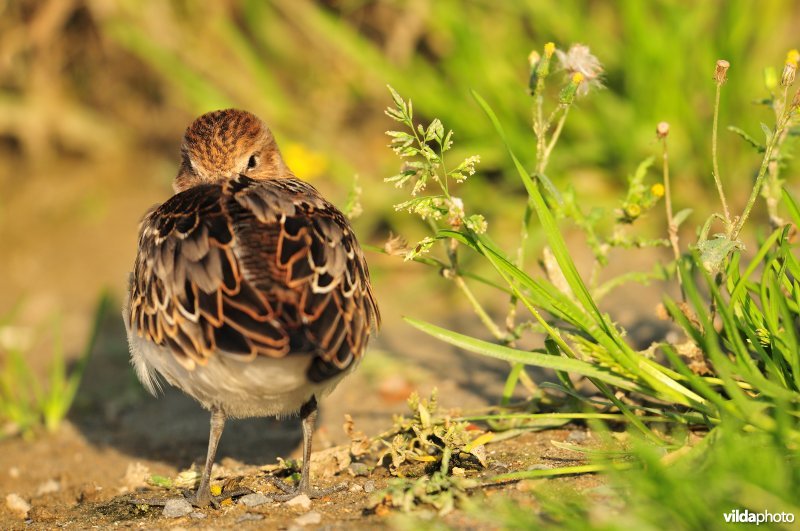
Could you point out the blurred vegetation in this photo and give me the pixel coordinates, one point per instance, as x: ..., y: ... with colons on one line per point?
x: 29, y: 403
x: 86, y: 76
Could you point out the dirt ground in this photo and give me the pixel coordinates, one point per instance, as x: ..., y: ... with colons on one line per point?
x: 83, y: 476
x: 117, y: 435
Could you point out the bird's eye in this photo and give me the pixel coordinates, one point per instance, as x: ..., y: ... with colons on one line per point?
x: 251, y: 162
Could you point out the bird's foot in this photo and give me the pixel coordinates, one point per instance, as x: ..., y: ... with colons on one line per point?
x: 197, y: 499
x: 290, y: 492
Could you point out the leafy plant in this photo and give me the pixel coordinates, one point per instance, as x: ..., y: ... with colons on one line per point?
x: 738, y: 368
x: 25, y: 403
x: 426, y: 438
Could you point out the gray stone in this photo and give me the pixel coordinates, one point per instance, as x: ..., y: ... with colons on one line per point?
x: 369, y: 487
x: 577, y: 436
x: 359, y: 469
x: 177, y: 508
x: 249, y: 517
x: 255, y: 499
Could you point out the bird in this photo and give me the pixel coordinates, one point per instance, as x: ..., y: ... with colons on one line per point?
x: 249, y: 291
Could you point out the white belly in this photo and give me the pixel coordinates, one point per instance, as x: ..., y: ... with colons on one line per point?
x: 259, y: 388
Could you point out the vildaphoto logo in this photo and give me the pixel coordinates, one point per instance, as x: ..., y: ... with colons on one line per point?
x: 738, y: 516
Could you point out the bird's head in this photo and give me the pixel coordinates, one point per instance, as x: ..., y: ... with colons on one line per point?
x: 221, y: 145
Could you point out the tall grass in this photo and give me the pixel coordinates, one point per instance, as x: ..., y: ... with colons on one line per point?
x: 27, y: 403
x: 310, y: 67
x: 734, y: 371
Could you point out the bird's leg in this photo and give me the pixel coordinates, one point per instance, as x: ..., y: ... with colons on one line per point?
x: 308, y: 414
x: 203, y: 497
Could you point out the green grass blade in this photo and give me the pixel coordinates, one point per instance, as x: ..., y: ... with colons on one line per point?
x: 521, y: 356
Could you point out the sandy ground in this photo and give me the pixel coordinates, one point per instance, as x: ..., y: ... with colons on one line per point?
x: 117, y: 435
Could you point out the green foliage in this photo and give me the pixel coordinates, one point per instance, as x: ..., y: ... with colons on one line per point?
x: 426, y: 438
x: 25, y: 403
x: 302, y: 63
x: 736, y: 372
x: 728, y: 470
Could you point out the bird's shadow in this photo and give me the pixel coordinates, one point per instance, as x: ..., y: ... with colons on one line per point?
x: 112, y: 409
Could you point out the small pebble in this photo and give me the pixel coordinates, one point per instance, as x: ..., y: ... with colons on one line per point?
x: 539, y: 466
x: 358, y: 469
x: 577, y: 436
x: 48, y: 487
x: 255, y: 499
x: 17, y: 505
x: 302, y: 501
x: 369, y: 487
x: 249, y: 517
x: 355, y: 487
x: 177, y: 508
x: 310, y: 518
x: 197, y: 514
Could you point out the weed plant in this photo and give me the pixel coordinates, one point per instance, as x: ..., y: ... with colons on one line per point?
x: 733, y: 374
x: 26, y: 404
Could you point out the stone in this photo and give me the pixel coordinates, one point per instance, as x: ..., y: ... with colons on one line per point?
x: 302, y: 501
x: 177, y: 508
x: 17, y: 505
x: 48, y: 487
x: 369, y: 487
x: 249, y: 517
x: 358, y: 469
x: 577, y: 436
x: 255, y: 499
x: 310, y: 518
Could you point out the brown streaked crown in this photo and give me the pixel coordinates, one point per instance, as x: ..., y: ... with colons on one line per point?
x: 223, y: 144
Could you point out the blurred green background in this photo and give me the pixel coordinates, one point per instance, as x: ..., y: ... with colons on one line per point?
x: 95, y: 96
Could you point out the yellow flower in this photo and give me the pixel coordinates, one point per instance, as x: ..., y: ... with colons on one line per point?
x: 305, y: 163
x: 549, y: 48
x: 216, y: 490
x: 657, y: 190
x: 633, y: 210
x: 793, y: 57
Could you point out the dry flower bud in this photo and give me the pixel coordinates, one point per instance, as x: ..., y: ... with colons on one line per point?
x: 533, y: 58
x: 789, y: 73
x: 721, y: 71
x: 662, y: 129
x: 796, y: 100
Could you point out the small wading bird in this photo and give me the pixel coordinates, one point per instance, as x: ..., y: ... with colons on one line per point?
x: 249, y: 292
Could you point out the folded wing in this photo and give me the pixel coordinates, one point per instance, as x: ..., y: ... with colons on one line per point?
x: 252, y: 268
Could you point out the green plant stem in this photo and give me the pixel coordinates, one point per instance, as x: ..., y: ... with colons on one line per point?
x: 489, y: 323
x: 672, y: 228
x: 715, y: 164
x: 773, y: 142
x: 772, y: 191
x: 564, y: 471
x: 479, y: 311
x: 545, y: 157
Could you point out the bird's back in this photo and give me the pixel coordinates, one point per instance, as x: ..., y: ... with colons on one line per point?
x: 247, y: 270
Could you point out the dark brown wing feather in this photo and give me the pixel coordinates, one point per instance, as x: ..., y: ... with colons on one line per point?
x: 253, y: 268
